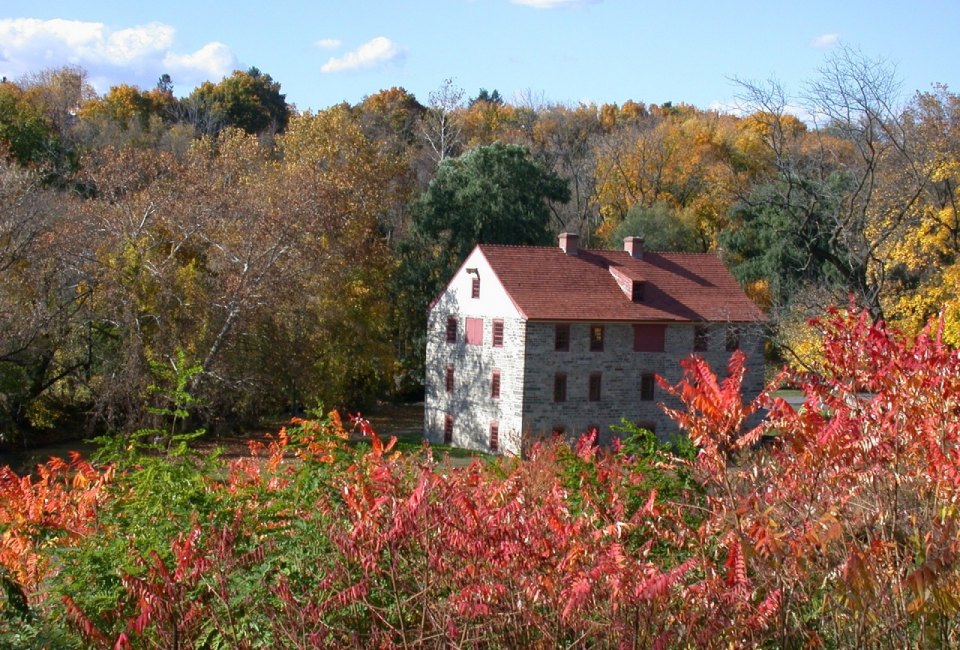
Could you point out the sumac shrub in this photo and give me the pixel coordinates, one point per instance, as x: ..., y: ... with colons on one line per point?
x: 840, y: 533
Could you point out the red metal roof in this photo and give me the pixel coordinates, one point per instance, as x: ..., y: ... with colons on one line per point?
x: 547, y: 284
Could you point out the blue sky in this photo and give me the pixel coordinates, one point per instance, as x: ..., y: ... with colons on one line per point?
x: 565, y: 51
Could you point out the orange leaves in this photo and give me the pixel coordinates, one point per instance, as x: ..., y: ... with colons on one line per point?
x: 38, y: 513
x: 855, y: 501
x: 714, y: 415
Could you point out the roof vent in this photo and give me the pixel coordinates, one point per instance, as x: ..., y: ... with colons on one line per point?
x: 634, y: 246
x: 569, y: 243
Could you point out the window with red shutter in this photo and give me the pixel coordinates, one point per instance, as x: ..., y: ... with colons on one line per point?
x: 448, y: 430
x: 498, y: 333
x: 495, y: 385
x: 475, y: 288
x: 450, y: 379
x: 451, y: 329
x: 494, y: 436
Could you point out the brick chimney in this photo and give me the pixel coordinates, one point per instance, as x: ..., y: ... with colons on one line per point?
x: 569, y: 243
x: 634, y: 246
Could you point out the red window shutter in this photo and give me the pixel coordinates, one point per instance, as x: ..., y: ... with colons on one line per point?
x: 649, y: 338
x: 495, y: 385
x: 498, y: 333
x: 494, y: 436
x: 451, y: 329
x: 475, y: 288
x: 448, y: 430
x: 449, y: 379
x: 474, y: 331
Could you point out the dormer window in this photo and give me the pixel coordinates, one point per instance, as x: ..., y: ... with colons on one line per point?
x: 637, y: 294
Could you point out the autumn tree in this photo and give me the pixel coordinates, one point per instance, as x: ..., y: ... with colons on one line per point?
x: 663, y: 228
x: 249, y: 267
x: 249, y: 100
x: 24, y: 131
x: 42, y: 340
x: 58, y: 93
x: 922, y: 262
x: 840, y: 194
x: 564, y: 140
x: 356, y: 188
x: 123, y: 104
x: 391, y: 120
x: 676, y: 156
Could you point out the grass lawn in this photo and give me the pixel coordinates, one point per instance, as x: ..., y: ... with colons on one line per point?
x: 788, y: 392
x: 412, y: 443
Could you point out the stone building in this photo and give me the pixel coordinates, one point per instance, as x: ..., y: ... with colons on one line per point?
x: 525, y: 341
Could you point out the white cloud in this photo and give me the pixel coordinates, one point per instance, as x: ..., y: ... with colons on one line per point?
x: 328, y: 43
x: 138, y: 54
x: 213, y: 60
x: 369, y: 55
x: 825, y: 41
x: 128, y: 46
x: 554, y: 4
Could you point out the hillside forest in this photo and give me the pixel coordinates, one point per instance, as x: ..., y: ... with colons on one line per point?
x: 263, y: 259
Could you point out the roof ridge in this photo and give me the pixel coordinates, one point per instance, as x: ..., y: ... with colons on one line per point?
x: 603, y: 250
x: 516, y: 246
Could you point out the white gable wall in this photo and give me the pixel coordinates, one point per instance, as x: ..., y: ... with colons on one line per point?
x: 470, y: 402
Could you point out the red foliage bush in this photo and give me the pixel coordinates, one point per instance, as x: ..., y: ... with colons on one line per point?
x: 57, y: 505
x: 841, y: 533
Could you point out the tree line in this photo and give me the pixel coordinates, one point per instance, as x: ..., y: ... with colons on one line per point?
x: 292, y: 255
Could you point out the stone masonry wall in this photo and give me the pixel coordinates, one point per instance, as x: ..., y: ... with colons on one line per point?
x: 621, y: 369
